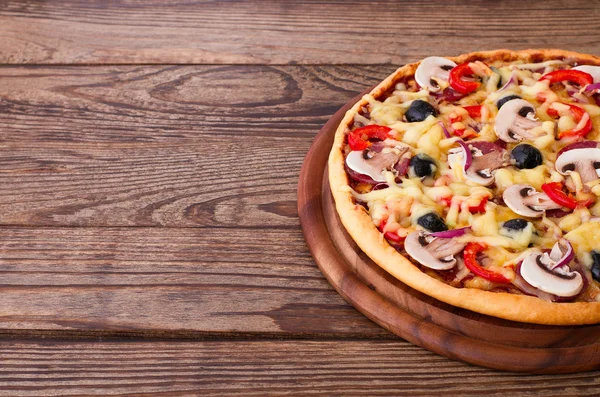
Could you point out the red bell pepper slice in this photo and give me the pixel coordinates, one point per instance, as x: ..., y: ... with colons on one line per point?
x: 454, y: 118
x: 474, y: 111
x: 447, y: 201
x: 575, y: 76
x: 578, y: 114
x: 470, y: 257
x: 460, y: 85
x: 479, y: 209
x: 359, y: 138
x: 392, y: 236
x: 554, y: 190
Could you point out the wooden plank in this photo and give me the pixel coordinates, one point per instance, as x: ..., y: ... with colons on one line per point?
x: 162, y: 146
x: 260, y: 368
x: 193, y: 282
x: 280, y: 32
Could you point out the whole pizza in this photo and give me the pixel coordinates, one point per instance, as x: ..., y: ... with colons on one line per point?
x: 475, y: 180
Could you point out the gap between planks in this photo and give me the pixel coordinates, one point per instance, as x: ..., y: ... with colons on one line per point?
x: 185, y: 336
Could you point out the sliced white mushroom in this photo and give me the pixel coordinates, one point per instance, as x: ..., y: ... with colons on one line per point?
x: 585, y: 161
x: 373, y: 164
x: 526, y: 201
x: 481, y: 168
x: 548, y: 273
x: 433, y: 252
x: 514, y: 121
x: 433, y: 70
x: 593, y: 70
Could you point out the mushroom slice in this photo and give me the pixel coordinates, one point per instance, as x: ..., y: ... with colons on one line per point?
x: 551, y: 273
x: 581, y: 157
x: 372, y: 164
x: 433, y: 252
x: 514, y: 121
x: 592, y: 70
x: 485, y: 158
x: 526, y: 201
x: 432, y: 70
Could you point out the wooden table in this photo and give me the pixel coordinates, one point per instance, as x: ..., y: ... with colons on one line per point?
x: 150, y: 242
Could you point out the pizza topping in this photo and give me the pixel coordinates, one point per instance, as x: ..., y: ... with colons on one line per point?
x: 471, y: 262
x: 593, y: 71
x: 452, y: 233
x: 512, y: 80
x: 590, y: 89
x: 432, y: 73
x: 419, y: 110
x: 362, y: 138
x: 515, y: 120
x: 555, y: 190
x: 526, y: 201
x: 484, y: 157
x: 519, y: 230
x: 580, y: 157
x: 525, y: 156
x: 473, y: 110
x: 433, y: 252
x: 371, y: 164
x: 551, y: 273
x: 421, y: 166
x: 432, y: 222
x: 516, y: 224
x: 505, y: 99
x: 595, y: 265
x: 581, y: 117
x: 528, y: 289
x: 572, y: 75
x: 457, y: 76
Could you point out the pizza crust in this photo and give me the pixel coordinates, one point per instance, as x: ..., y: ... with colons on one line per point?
x: 358, y: 223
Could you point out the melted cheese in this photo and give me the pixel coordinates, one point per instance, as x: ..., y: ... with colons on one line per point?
x: 452, y: 196
x: 585, y: 238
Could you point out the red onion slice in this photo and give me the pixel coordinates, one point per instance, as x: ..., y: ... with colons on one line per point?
x: 468, y: 155
x: 512, y: 80
x: 451, y: 233
x: 446, y: 133
x: 558, y: 256
x: 591, y: 88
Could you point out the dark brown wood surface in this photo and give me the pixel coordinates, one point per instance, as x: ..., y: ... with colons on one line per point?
x: 259, y: 368
x: 150, y: 156
x: 279, y: 32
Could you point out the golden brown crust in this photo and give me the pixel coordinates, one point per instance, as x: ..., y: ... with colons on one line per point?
x: 360, y: 226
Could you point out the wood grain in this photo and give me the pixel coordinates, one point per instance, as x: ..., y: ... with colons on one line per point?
x: 162, y: 146
x: 260, y: 368
x: 195, y: 282
x: 281, y: 32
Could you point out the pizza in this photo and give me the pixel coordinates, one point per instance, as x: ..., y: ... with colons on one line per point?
x: 476, y: 180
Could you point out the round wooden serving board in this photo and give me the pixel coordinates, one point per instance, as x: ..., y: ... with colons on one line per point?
x: 418, y: 318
